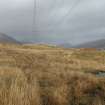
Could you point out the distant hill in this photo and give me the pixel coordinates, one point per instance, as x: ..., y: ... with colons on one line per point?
x: 65, y: 45
x: 93, y: 44
x: 7, y: 39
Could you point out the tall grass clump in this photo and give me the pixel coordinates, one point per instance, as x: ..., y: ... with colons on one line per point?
x: 72, y: 88
x: 14, y: 89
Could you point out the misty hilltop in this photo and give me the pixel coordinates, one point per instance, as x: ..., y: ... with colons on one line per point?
x: 7, y: 39
x: 93, y: 44
x: 66, y: 45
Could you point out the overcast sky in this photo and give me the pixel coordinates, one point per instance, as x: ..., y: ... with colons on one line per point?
x: 55, y: 21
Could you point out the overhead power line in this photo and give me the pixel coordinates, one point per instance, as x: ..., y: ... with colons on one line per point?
x: 57, y: 24
x: 34, y: 15
x: 67, y: 14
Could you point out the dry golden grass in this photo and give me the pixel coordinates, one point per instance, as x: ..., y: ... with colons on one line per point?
x: 14, y: 89
x: 46, y: 75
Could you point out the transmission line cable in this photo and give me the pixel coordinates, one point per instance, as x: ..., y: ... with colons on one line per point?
x: 34, y: 15
x: 57, y: 24
x: 67, y: 14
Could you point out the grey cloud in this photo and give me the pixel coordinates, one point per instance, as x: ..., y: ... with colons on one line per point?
x: 54, y: 23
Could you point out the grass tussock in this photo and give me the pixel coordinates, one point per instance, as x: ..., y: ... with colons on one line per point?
x: 46, y: 75
x: 14, y: 89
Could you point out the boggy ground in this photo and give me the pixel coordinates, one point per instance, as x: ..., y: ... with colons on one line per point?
x: 48, y: 75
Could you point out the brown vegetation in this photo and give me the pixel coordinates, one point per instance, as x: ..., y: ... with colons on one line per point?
x: 46, y: 75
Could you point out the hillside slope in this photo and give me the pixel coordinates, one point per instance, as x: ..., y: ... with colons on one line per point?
x: 7, y: 39
x: 93, y: 44
x: 66, y: 45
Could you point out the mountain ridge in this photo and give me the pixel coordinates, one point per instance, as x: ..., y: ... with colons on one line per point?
x: 100, y: 43
x: 7, y: 39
